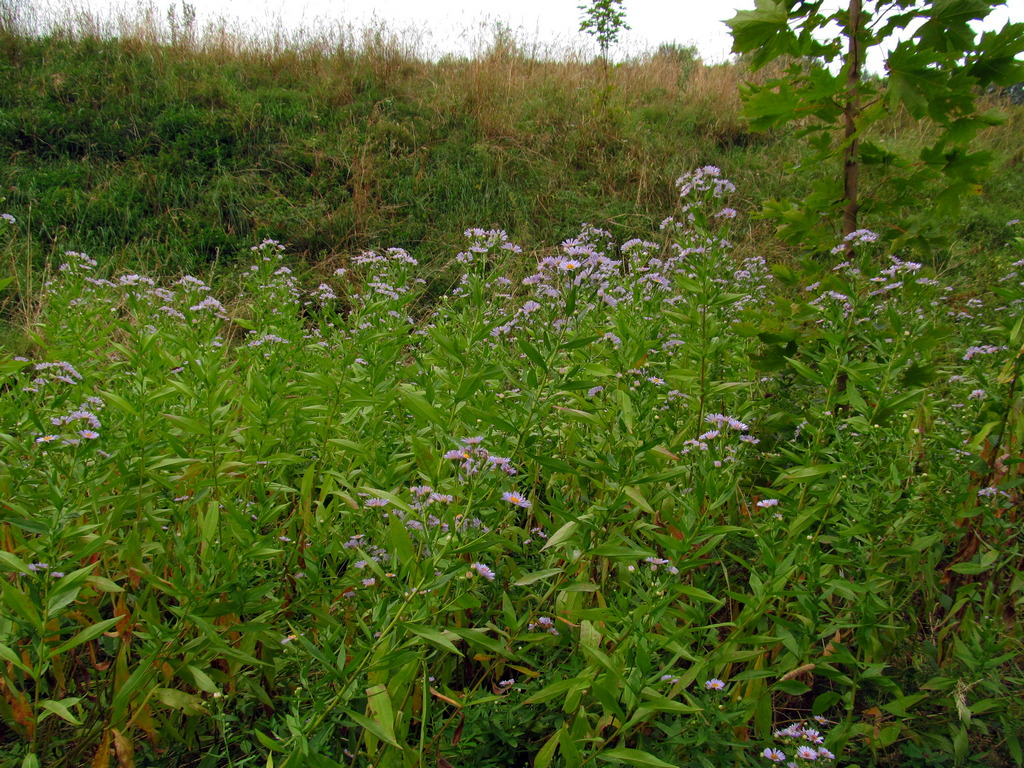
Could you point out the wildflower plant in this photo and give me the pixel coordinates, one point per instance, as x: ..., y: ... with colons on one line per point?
x: 620, y: 502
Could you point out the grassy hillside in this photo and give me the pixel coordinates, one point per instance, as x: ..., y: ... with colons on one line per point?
x: 173, y: 154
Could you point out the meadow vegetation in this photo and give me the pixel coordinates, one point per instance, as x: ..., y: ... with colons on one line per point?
x: 453, y: 478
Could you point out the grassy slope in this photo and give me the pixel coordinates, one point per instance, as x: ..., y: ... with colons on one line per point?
x: 174, y: 157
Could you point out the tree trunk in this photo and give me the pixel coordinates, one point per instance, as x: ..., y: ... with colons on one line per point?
x: 851, y: 111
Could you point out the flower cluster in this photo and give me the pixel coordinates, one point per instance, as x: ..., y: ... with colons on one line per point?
x: 717, y: 438
x: 472, y: 459
x: 708, y: 178
x: 803, y: 742
x: 484, y: 243
x: 45, y: 568
x: 543, y: 624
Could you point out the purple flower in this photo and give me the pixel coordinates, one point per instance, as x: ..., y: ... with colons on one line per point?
x: 515, y: 498
x: 807, y: 753
x: 714, y: 684
x: 545, y: 623
x: 985, y: 349
x: 483, y: 570
x: 775, y: 755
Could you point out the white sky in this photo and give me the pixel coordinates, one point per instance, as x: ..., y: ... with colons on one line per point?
x: 462, y: 26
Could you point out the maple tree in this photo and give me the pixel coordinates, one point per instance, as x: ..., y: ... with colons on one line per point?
x: 935, y: 67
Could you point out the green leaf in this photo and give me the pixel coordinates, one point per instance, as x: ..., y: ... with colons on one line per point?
x: 551, y: 691
x: 696, y: 593
x: 432, y: 635
x: 8, y: 655
x: 969, y: 569
x: 87, y: 634
x: 201, y: 680
x: 912, y: 79
x: 268, y: 742
x: 792, y: 687
x: 578, y: 343
x: 188, y: 703
x: 209, y: 521
x: 420, y: 407
x: 60, y: 708
x: 803, y: 474
x: 764, y: 31
x: 102, y: 584
x: 824, y: 701
x: 543, y: 758
x: 556, y: 465
x: 531, y: 352
x: 997, y: 62
x: 805, y: 371
x: 480, y: 639
x: 530, y: 578
x: 767, y: 107
x: 385, y: 735
x: 18, y: 602
x: 1013, y: 745
x: 188, y: 424
x: 584, y: 417
x: 948, y: 28
x: 379, y: 703
x: 13, y: 562
x: 560, y: 536
x: 626, y: 410
x: 400, y: 541
x: 635, y: 757
x: 638, y: 499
